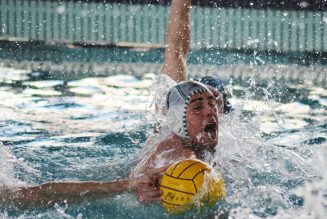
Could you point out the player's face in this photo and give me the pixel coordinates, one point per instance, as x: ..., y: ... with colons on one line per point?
x: 202, y: 120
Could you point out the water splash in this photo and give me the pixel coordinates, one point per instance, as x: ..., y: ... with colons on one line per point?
x: 7, y: 178
x: 87, y: 129
x: 261, y: 176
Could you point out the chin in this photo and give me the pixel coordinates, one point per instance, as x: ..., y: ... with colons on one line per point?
x: 208, y: 146
x: 207, y: 141
x: 211, y: 143
x: 211, y: 139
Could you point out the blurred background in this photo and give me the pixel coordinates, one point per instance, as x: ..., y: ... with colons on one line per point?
x: 43, y: 31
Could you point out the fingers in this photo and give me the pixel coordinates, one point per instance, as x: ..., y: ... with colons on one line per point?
x: 159, y: 170
x: 146, y: 193
x: 152, y: 176
x: 148, y: 189
x: 149, y: 197
x: 156, y: 174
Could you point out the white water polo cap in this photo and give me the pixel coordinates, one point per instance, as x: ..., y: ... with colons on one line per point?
x: 177, y: 101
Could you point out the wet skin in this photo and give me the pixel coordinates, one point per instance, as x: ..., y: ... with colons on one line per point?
x: 202, y: 120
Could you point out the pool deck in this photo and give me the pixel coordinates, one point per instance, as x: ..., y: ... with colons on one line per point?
x: 103, y: 23
x: 58, y: 59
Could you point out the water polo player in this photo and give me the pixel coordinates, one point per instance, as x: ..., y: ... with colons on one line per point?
x: 189, y: 108
x: 192, y: 116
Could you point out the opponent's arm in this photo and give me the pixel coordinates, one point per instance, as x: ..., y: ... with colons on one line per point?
x: 67, y: 192
x: 178, y: 40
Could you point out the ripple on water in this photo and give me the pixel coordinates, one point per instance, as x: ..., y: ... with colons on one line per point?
x: 94, y: 128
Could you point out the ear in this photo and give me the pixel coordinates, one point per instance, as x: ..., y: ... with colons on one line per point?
x: 174, y: 122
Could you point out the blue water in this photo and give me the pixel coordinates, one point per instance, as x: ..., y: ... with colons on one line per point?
x: 271, y: 153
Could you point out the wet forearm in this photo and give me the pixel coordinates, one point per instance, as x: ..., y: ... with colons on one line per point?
x: 84, y: 189
x: 24, y: 198
x: 62, y: 192
x: 178, y: 33
x: 178, y: 40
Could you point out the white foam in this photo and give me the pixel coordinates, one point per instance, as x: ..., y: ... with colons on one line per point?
x: 257, y: 172
x: 7, y: 160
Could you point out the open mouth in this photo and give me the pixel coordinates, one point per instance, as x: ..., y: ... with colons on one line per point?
x: 211, y: 127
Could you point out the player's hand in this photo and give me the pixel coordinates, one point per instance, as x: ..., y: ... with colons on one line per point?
x: 152, y: 176
x: 147, y: 189
x: 146, y: 193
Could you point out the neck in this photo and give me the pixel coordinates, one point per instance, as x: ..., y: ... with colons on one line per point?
x: 198, y: 149
x: 201, y: 150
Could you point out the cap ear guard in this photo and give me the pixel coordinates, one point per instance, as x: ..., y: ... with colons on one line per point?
x: 174, y: 117
x: 173, y: 120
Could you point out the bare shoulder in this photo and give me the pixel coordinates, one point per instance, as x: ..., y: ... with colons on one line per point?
x: 167, y: 152
x: 170, y: 142
x: 173, y: 149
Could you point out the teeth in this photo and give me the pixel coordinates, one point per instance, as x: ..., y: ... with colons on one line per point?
x: 210, y: 127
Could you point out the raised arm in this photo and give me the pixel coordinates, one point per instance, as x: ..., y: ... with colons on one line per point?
x: 178, y: 40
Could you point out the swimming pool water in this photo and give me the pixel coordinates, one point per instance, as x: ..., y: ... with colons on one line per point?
x: 271, y: 153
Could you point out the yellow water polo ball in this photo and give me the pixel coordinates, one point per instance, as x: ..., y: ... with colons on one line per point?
x: 190, y: 183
